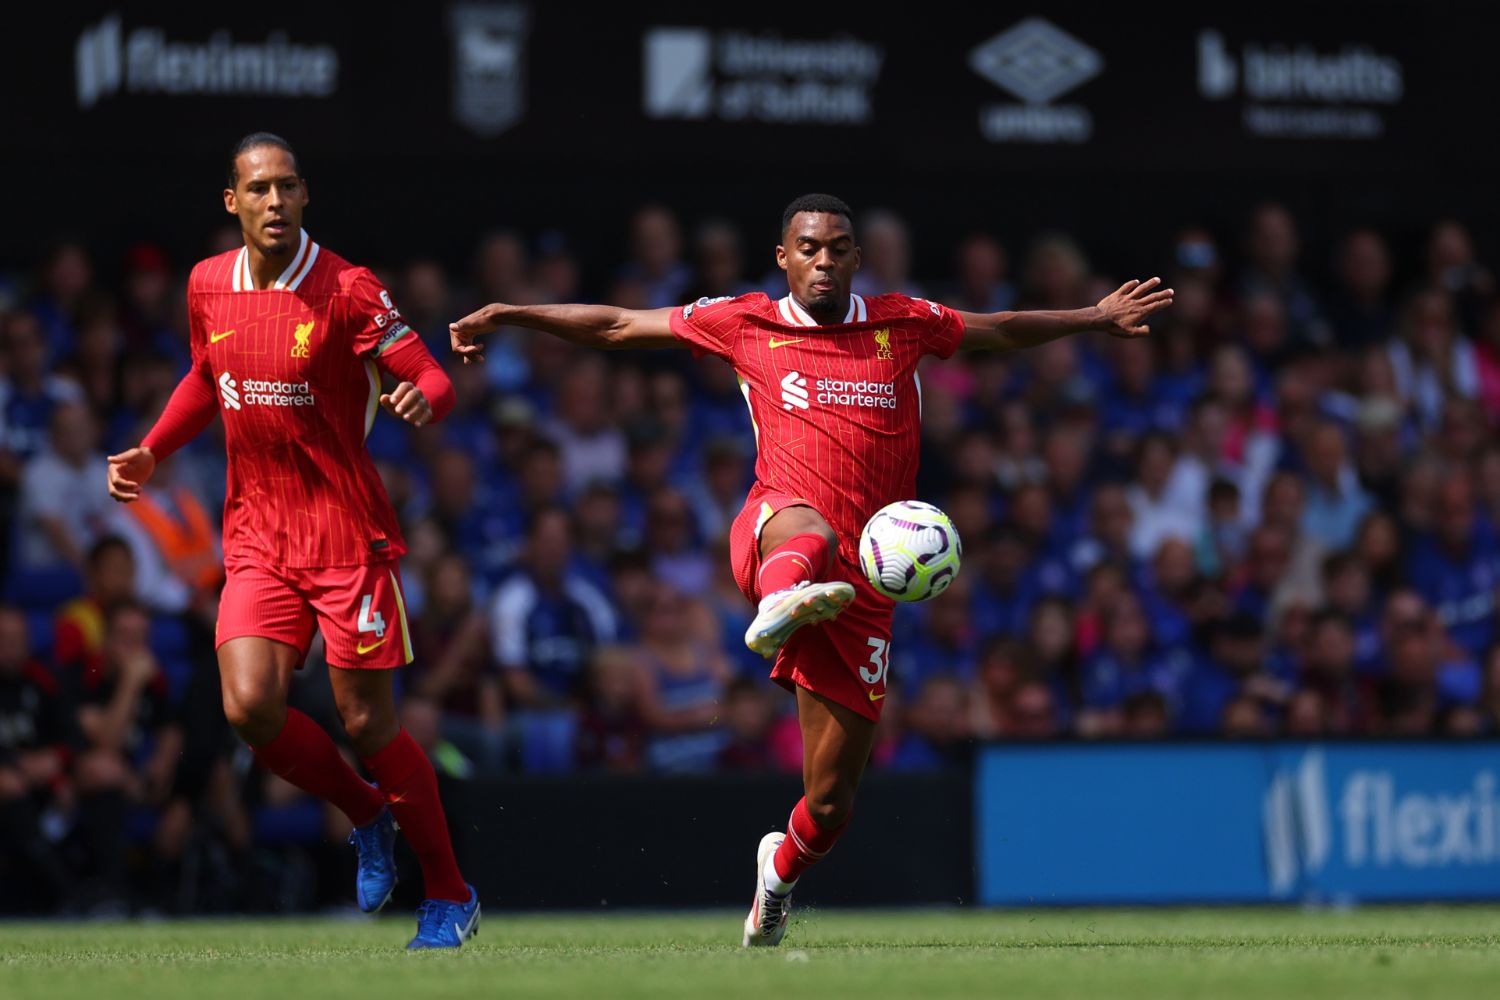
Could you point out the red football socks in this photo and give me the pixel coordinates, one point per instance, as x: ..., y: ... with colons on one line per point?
x: 305, y: 755
x: 406, y: 778
x: 798, y: 559
x: 805, y: 845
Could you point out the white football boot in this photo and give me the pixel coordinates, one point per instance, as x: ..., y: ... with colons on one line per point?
x: 785, y: 611
x: 766, y: 924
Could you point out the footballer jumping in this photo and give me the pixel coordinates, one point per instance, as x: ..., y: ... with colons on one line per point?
x: 288, y: 342
x: 831, y: 381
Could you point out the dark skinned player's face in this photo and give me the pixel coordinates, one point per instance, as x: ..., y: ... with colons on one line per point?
x: 268, y: 199
x: 819, y: 257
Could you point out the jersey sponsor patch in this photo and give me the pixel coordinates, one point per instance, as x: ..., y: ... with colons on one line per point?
x: 687, y: 310
x: 389, y: 338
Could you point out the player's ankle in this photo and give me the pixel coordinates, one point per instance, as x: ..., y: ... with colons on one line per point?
x: 774, y: 883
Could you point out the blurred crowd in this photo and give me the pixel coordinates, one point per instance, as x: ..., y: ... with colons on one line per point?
x: 1277, y: 516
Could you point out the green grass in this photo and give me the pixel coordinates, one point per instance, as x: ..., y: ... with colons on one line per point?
x: 1367, y: 953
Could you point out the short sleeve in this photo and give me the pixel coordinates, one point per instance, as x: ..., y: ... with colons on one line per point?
x: 708, y: 325
x: 375, y: 321
x: 942, y: 328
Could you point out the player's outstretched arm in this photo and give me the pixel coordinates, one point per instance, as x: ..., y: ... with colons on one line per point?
x: 191, y: 408
x: 606, y: 327
x: 1121, y: 313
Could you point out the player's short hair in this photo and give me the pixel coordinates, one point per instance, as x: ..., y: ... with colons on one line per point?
x: 255, y: 140
x: 821, y: 203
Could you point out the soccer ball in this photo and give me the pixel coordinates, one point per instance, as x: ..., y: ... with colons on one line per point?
x: 910, y: 551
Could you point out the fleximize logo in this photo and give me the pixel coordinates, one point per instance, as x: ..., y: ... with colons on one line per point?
x: 107, y: 61
x: 1316, y: 817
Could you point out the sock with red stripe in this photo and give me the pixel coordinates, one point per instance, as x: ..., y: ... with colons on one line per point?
x: 303, y: 754
x: 410, y: 786
x: 805, y: 845
x: 800, y: 559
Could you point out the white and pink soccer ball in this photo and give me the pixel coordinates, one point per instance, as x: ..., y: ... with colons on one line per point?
x: 910, y: 551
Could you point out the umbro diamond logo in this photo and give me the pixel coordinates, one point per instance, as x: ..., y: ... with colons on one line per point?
x: 1036, y: 60
x: 794, y: 392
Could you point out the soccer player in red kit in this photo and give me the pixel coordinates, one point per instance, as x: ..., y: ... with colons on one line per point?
x: 289, y: 341
x: 831, y: 381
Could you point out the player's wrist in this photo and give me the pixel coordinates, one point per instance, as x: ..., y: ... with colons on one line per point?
x: 1098, y: 319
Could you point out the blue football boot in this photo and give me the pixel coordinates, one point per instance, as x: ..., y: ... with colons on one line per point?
x: 376, y: 877
x: 445, y: 924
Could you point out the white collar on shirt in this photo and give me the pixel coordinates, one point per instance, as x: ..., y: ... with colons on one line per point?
x: 795, y: 315
x: 291, y: 278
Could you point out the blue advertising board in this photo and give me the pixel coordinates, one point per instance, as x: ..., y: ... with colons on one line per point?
x: 1237, y: 823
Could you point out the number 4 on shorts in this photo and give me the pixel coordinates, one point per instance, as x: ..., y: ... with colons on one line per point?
x: 369, y: 619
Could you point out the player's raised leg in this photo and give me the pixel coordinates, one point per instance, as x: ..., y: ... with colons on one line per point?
x: 366, y: 703
x: 797, y: 549
x: 255, y: 673
x: 836, y: 744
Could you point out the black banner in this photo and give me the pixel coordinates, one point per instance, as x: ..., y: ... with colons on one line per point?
x: 590, y: 842
x: 529, y: 112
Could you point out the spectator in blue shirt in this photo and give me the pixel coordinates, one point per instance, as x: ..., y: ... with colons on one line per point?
x: 1456, y: 566
x: 1236, y: 668
x: 1127, y: 665
x: 546, y: 621
x: 1347, y: 590
x: 938, y: 729
x: 1335, y: 503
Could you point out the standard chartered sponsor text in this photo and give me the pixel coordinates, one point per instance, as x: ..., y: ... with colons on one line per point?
x: 259, y: 392
x: 881, y: 395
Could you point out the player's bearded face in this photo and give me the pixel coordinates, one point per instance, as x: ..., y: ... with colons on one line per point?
x: 269, y: 200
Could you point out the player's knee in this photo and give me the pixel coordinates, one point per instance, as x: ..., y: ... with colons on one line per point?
x: 255, y: 713
x: 790, y: 522
x: 831, y: 808
x: 370, y: 727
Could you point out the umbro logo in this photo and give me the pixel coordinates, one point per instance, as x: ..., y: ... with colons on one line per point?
x: 1036, y: 60
x: 794, y: 392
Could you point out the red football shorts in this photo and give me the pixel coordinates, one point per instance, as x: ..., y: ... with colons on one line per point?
x: 359, y: 609
x: 845, y: 660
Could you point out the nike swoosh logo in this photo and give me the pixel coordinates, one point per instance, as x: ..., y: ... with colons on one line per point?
x: 362, y: 649
x: 214, y: 338
x: 876, y: 697
x: 782, y: 343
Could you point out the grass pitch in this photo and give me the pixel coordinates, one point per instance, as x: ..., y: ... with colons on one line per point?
x: 1368, y: 953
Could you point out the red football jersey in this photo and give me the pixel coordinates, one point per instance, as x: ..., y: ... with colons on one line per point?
x: 293, y: 366
x: 836, y: 409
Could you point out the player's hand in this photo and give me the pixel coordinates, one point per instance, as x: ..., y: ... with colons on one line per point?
x: 406, y: 402
x: 1125, y: 310
x: 461, y: 335
x: 128, y: 472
